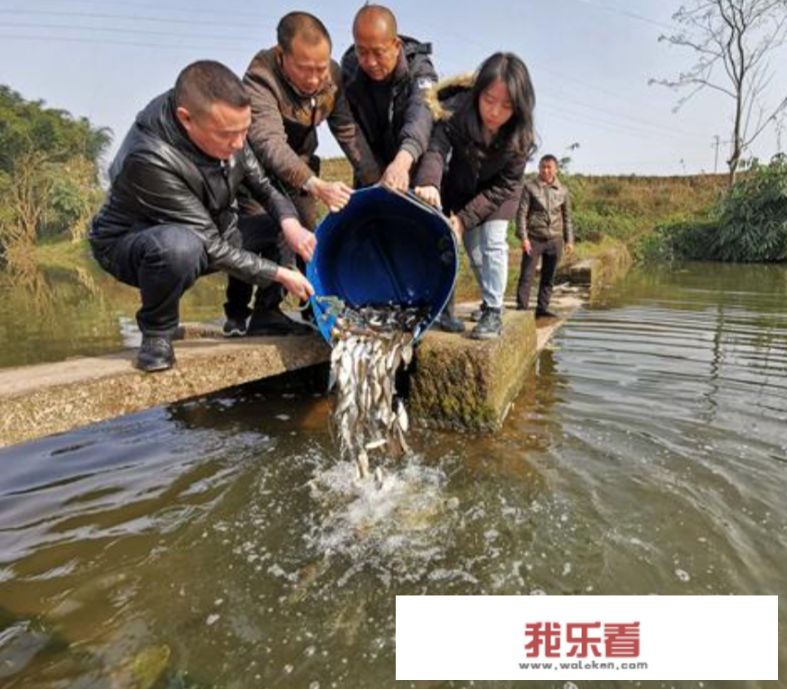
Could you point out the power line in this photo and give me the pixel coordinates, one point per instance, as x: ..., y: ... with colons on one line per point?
x: 628, y: 119
x: 126, y: 17
x: 98, y: 41
x: 630, y: 124
x: 536, y: 67
x: 159, y: 7
x: 108, y: 29
x: 605, y: 125
x: 627, y: 13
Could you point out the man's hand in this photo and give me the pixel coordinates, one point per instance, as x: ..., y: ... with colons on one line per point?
x: 335, y: 195
x: 569, y: 248
x: 527, y: 247
x: 457, y: 226
x: 294, y: 282
x: 397, y: 174
x: 429, y: 194
x: 299, y: 239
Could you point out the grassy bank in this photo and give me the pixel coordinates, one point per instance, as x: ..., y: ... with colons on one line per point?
x: 61, y: 252
x: 625, y: 208
x: 608, y: 211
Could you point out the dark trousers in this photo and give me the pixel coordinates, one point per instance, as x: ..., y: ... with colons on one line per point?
x: 163, y: 261
x: 550, y: 252
x: 262, y: 236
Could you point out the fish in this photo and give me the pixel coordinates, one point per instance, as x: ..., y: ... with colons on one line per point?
x: 370, y: 345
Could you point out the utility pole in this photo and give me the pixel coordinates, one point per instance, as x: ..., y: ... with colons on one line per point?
x: 716, y: 145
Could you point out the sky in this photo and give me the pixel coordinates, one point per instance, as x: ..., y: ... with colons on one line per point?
x: 590, y: 62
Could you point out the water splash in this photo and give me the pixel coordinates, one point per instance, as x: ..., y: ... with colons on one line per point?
x: 406, y: 519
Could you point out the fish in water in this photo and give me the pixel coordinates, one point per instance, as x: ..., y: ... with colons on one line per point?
x: 370, y: 345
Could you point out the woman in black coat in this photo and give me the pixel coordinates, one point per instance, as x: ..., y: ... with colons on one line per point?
x: 474, y: 168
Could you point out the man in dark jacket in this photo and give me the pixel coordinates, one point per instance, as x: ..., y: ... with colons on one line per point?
x: 294, y: 87
x: 171, y: 213
x: 543, y: 225
x: 386, y: 78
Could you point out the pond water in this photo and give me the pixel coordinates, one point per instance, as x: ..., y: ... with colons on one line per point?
x: 221, y: 543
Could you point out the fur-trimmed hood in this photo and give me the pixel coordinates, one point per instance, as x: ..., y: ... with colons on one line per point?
x: 441, y: 97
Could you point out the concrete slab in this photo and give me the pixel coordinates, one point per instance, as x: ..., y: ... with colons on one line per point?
x: 36, y: 401
x: 457, y: 383
x: 463, y: 384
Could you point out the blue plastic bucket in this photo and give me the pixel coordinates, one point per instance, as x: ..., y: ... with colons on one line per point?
x: 383, y: 247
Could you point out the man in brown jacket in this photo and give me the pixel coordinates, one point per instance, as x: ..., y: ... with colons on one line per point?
x: 294, y: 87
x: 543, y: 224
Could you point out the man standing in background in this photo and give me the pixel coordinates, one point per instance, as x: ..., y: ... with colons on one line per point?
x: 543, y: 224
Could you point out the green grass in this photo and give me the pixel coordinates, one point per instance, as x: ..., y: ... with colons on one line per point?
x: 608, y: 211
x: 62, y: 252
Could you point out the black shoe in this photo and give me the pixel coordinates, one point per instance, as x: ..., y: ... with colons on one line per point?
x: 449, y: 323
x: 155, y: 354
x: 264, y: 323
x: 546, y: 313
x: 234, y: 327
x: 490, y: 326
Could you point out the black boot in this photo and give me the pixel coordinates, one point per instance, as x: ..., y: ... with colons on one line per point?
x: 274, y: 322
x: 546, y: 313
x: 490, y: 326
x: 155, y: 354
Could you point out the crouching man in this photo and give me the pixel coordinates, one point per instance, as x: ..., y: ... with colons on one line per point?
x: 171, y: 212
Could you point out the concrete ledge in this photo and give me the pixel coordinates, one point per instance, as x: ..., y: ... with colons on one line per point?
x: 457, y: 383
x: 36, y: 401
x: 460, y: 383
x: 601, y: 270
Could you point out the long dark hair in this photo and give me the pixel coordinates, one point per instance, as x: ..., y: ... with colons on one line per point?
x: 519, y: 132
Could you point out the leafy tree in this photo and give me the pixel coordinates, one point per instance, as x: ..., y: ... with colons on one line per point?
x: 49, y: 172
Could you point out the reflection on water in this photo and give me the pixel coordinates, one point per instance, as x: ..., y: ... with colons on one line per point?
x: 219, y: 543
x: 51, y: 314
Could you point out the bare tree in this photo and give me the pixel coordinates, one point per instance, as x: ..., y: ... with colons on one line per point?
x: 734, y: 41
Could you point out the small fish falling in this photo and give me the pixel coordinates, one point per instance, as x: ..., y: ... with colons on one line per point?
x: 370, y: 345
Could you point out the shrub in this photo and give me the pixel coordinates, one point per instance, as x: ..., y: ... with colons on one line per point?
x: 752, y: 217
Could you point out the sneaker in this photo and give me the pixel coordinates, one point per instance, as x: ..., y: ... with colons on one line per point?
x: 264, y: 323
x: 478, y: 314
x: 155, y: 354
x: 234, y: 327
x: 449, y: 323
x: 546, y: 313
x: 490, y: 326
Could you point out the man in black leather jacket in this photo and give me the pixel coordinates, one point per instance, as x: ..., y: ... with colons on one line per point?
x: 171, y: 212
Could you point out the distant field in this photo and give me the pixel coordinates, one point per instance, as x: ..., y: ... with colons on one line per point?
x: 607, y: 209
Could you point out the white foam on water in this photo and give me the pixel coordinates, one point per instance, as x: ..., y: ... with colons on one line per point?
x: 408, y: 514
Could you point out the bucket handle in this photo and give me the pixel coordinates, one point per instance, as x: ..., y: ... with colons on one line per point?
x: 413, y: 198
